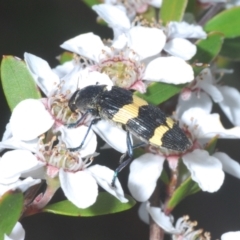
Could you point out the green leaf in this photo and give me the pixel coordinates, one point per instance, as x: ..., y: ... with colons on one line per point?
x: 226, y: 22
x: 231, y: 49
x: 17, y: 82
x: 11, y: 205
x: 207, y: 50
x: 160, y: 92
x: 187, y: 188
x: 105, y: 204
x: 172, y: 10
x: 65, y: 57
x: 90, y: 3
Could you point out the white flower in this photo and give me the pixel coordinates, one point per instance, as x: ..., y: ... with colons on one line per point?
x: 183, y: 229
x: 204, y: 125
x: 205, y: 169
x: 62, y: 168
x: 146, y: 42
x: 124, y: 63
x: 17, y: 233
x: 177, y: 35
x: 204, y: 89
x: 31, y: 117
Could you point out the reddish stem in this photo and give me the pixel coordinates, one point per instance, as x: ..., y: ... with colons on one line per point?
x: 155, y: 231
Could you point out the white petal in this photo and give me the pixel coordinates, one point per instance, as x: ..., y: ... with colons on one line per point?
x: 8, y: 132
x: 21, y: 185
x: 30, y: 119
x: 143, y: 213
x: 113, y: 135
x: 38, y: 173
x: 64, y: 69
x: 205, y: 125
x: 205, y: 82
x: 231, y: 236
x: 146, y: 41
x: 229, y: 165
x: 155, y: 3
x: 206, y: 170
x: 185, y: 30
x: 104, y: 176
x: 180, y: 47
x: 120, y: 41
x: 14, y: 163
x: 73, y: 137
x: 80, y: 188
x: 213, y: 92
x: 170, y: 70
x: 144, y: 172
x: 45, y: 78
x: 114, y: 16
x: 195, y: 100
x: 18, y: 233
x: 88, y: 45
x: 15, y: 143
x: 162, y: 220
x: 27, y: 183
x: 231, y: 103
x: 87, y: 78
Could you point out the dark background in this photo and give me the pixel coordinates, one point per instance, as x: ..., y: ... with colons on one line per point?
x: 39, y: 27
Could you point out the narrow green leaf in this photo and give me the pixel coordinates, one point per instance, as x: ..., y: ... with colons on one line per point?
x: 226, y: 22
x: 187, y: 188
x: 105, y: 204
x: 17, y: 82
x: 90, y: 3
x: 11, y: 205
x: 65, y: 57
x: 160, y: 92
x: 207, y: 50
x: 231, y: 49
x: 172, y: 10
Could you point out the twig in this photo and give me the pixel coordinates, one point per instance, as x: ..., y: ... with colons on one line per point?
x: 155, y: 231
x: 210, y: 13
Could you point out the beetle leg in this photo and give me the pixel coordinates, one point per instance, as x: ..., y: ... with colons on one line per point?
x: 94, y: 121
x: 129, y: 152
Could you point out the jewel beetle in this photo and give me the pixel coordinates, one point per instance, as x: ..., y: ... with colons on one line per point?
x: 121, y: 107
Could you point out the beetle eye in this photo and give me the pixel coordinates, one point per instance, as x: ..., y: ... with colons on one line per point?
x: 72, y: 106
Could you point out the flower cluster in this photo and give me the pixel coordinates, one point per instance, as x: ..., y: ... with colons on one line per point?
x: 44, y: 145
